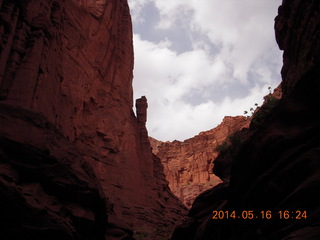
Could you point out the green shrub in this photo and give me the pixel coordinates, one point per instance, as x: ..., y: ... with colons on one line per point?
x: 259, y: 117
x: 230, y: 146
x: 227, y: 152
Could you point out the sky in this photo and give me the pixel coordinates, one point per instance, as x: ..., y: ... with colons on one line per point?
x: 197, y: 61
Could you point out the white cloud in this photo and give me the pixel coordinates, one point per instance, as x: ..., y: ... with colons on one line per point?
x: 180, y: 121
x: 168, y: 75
x: 170, y: 11
x: 243, y: 28
x: 232, y: 43
x: 136, y: 8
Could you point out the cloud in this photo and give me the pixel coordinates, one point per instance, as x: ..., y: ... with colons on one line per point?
x: 164, y: 74
x: 166, y: 78
x: 136, y: 9
x: 232, y: 61
x: 243, y: 29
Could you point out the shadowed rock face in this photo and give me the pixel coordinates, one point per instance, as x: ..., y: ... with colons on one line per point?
x: 48, y: 191
x: 278, y: 167
x: 297, y: 33
x: 188, y: 164
x: 69, y: 63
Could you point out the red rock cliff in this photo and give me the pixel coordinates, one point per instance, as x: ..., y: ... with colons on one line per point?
x: 188, y: 165
x: 70, y: 64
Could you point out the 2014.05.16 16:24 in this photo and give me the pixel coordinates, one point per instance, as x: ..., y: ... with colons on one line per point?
x: 267, y: 214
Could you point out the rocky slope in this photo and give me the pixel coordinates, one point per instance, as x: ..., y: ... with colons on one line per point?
x: 188, y: 165
x: 73, y: 154
x: 277, y: 169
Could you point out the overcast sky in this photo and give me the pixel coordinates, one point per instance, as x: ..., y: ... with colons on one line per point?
x: 197, y: 61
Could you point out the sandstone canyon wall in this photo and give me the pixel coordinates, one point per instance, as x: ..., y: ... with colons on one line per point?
x: 277, y: 169
x: 73, y: 155
x: 188, y: 165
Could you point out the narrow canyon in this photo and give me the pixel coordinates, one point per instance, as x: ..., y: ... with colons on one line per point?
x: 76, y: 162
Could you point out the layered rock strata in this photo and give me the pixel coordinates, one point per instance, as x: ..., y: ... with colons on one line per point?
x: 277, y: 169
x: 69, y: 63
x: 188, y: 165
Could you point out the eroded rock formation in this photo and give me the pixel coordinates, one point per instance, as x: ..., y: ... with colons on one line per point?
x: 277, y: 169
x: 69, y: 137
x: 188, y: 165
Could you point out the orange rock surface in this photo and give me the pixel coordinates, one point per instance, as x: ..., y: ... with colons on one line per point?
x: 188, y: 165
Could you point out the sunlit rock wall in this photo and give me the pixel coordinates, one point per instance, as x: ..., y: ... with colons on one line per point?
x: 188, y: 165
